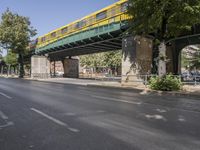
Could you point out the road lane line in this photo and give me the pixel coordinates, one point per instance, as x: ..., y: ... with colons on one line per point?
x: 116, y: 100
x: 5, y: 95
x: 55, y: 120
x: 3, y: 116
x: 10, y: 123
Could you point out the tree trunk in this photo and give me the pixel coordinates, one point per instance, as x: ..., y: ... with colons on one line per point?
x: 162, y: 59
x: 21, y: 65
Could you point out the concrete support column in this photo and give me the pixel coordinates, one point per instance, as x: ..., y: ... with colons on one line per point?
x: 137, y: 60
x: 71, y: 68
x: 40, y: 67
x: 54, y: 68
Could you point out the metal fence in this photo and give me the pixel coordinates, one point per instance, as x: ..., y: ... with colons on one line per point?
x: 144, y: 79
x: 40, y: 75
x: 192, y: 80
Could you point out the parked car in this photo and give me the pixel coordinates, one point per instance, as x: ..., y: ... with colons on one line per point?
x: 195, y: 76
x: 186, y: 76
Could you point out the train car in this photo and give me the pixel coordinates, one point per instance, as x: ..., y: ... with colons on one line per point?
x: 113, y: 13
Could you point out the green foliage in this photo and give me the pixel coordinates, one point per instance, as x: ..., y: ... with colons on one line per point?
x: 92, y: 60
x: 165, y: 83
x: 106, y: 59
x: 15, y: 34
x: 10, y: 58
x: 15, y: 31
x: 165, y: 18
x: 112, y: 59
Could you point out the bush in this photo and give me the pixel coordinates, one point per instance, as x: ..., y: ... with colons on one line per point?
x: 165, y: 83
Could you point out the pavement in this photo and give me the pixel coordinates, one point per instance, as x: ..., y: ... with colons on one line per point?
x: 188, y: 90
x: 49, y: 116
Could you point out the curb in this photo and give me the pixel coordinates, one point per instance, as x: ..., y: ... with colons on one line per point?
x: 115, y: 87
x: 149, y: 91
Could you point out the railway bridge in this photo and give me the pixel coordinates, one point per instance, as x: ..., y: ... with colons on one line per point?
x: 100, y: 31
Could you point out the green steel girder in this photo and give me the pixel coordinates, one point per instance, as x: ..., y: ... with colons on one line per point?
x: 98, y: 46
x: 96, y: 34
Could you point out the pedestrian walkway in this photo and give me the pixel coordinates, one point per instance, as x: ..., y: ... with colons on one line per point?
x: 187, y: 89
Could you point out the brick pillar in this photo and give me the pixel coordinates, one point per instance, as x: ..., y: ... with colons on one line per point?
x: 71, y: 68
x: 137, y: 59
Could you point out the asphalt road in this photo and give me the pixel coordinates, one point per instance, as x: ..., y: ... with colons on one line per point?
x: 48, y: 116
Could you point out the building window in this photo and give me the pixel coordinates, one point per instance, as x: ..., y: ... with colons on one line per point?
x: 101, y: 15
x: 53, y: 34
x: 124, y: 7
x: 64, y: 30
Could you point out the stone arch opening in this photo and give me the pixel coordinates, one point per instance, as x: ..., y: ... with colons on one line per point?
x: 174, y: 49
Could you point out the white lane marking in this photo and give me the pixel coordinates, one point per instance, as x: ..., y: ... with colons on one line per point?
x: 100, y: 111
x: 161, y: 110
x: 3, y: 116
x: 70, y: 114
x: 114, y: 99
x: 157, y: 117
x: 5, y: 95
x: 10, y: 123
x: 55, y: 120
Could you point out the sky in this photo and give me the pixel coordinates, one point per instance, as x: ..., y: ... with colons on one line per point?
x: 47, y: 15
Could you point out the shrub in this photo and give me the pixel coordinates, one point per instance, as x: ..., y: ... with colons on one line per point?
x: 165, y: 83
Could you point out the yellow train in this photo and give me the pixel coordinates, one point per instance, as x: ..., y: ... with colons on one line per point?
x: 113, y: 13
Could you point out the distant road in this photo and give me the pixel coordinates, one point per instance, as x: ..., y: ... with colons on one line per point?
x: 48, y: 116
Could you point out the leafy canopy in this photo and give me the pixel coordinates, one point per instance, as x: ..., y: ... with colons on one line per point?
x: 105, y: 59
x: 10, y: 58
x: 165, y: 18
x: 15, y: 31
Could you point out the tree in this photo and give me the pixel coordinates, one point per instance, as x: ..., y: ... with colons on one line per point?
x: 15, y: 34
x: 112, y: 58
x: 163, y: 19
x: 92, y: 60
x: 10, y: 58
x: 105, y: 59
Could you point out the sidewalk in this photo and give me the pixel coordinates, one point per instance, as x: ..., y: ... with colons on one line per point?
x: 188, y: 90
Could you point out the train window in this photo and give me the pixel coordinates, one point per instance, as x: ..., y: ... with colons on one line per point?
x: 53, y: 34
x: 43, y: 39
x: 113, y: 11
x: 82, y: 23
x: 101, y: 15
x: 124, y: 7
x: 77, y: 25
x: 64, y: 30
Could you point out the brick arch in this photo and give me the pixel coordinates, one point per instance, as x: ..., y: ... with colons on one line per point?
x: 174, y: 49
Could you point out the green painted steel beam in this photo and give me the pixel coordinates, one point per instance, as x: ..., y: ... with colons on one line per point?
x: 95, y: 33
